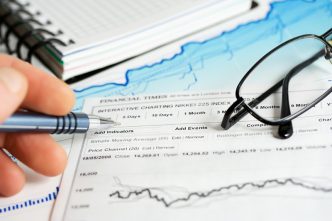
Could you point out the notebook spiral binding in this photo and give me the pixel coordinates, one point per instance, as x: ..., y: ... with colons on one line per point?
x: 42, y: 36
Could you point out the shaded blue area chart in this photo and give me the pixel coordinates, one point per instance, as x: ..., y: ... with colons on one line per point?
x: 29, y: 203
x: 220, y: 62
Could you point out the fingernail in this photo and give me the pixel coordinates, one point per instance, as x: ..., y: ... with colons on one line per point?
x: 11, y: 79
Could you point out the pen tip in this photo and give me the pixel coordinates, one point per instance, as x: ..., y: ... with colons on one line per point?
x: 108, y: 121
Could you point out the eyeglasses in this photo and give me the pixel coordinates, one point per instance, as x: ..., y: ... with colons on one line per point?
x: 285, y: 83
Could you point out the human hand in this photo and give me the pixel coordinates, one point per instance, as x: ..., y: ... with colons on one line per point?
x: 23, y: 86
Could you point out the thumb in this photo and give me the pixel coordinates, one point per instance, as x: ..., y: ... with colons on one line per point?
x: 13, y: 88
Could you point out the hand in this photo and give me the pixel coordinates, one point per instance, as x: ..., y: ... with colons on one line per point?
x: 23, y: 86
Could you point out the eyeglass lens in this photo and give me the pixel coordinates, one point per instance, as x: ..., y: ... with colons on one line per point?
x: 304, y: 63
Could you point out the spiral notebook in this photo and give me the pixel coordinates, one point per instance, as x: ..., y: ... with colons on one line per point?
x: 73, y: 37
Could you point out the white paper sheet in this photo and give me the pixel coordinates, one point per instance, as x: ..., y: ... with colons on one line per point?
x: 170, y: 160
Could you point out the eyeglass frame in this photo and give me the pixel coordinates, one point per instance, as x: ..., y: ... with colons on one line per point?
x: 284, y: 123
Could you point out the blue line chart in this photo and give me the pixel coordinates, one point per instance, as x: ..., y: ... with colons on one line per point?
x: 30, y: 202
x: 202, y: 64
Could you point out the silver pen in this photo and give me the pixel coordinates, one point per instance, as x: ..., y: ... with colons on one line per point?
x: 25, y: 121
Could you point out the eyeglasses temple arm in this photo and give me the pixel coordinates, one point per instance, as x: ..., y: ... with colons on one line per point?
x: 326, y: 34
x: 229, y: 121
x: 286, y: 130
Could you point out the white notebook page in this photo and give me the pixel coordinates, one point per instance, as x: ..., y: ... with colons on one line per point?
x: 89, y: 22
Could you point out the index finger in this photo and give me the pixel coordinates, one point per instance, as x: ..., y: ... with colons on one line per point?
x: 46, y: 93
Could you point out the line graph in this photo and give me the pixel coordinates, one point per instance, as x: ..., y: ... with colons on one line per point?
x: 275, y: 183
x: 196, y: 58
x: 29, y: 202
